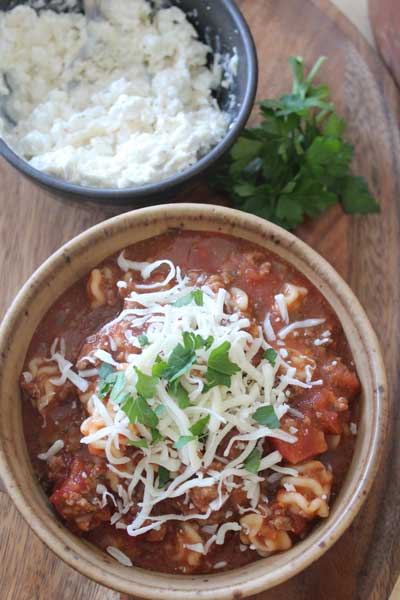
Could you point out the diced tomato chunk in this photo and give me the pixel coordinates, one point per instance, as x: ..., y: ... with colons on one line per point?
x: 310, y: 442
x: 320, y: 406
x: 342, y: 380
x: 329, y: 421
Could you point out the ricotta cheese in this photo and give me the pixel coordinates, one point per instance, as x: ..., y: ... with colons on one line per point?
x: 135, y: 107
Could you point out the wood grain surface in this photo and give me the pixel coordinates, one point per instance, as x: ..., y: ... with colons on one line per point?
x: 385, y: 22
x: 364, y: 564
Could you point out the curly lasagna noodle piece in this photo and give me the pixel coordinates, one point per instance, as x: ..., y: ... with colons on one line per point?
x: 214, y: 405
x: 101, y: 286
x: 301, y: 498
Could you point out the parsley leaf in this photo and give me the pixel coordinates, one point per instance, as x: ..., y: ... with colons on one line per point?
x: 137, y: 443
x: 215, y: 378
x: 129, y: 408
x: 158, y: 367
x: 143, y: 340
x: 219, y: 360
x: 182, y: 441
x: 194, y: 341
x: 155, y: 434
x: 104, y: 370
x: 163, y: 476
x: 105, y: 385
x: 219, y: 367
x: 252, y: 462
x: 266, y: 415
x: 196, y: 296
x: 146, y: 384
x: 177, y: 390
x: 139, y: 411
x: 295, y: 163
x: 118, y: 389
x: 181, y: 359
x: 159, y: 410
x: 198, y: 428
x: 107, y: 377
x: 270, y: 354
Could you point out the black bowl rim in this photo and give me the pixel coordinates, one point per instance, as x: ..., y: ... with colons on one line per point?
x: 174, y: 181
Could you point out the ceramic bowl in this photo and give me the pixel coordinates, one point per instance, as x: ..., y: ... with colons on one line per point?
x: 68, y: 265
x: 222, y: 26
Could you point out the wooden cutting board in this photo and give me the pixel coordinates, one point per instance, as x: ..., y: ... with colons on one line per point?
x: 385, y: 22
x: 364, y: 564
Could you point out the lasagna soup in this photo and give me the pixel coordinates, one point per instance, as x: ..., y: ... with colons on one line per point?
x: 191, y: 404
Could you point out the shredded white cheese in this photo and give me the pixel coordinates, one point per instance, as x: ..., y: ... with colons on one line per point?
x: 299, y: 325
x: 52, y: 451
x: 166, y: 315
x: 119, y: 556
x: 223, y: 530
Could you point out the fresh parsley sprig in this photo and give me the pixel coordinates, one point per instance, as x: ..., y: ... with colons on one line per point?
x: 136, y: 408
x: 220, y: 368
x: 182, y: 357
x: 270, y: 354
x: 163, y: 476
x: 252, y: 462
x: 196, y: 296
x: 266, y: 415
x: 295, y: 163
x: 197, y: 430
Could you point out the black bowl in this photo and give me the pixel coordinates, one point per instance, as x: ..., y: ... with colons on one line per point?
x: 221, y: 25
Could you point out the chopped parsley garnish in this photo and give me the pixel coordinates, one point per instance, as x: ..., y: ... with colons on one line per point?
x: 138, y: 443
x: 139, y: 411
x: 111, y: 382
x: 160, y: 410
x: 155, y: 434
x: 163, y: 477
x: 107, y: 377
x: 196, y: 341
x: 252, y: 462
x: 118, y: 388
x: 196, y: 296
x: 200, y: 342
x: 146, y: 384
x: 270, y: 354
x: 220, y: 368
x: 158, y: 367
x: 182, y: 441
x: 143, y: 340
x: 198, y: 428
x: 181, y: 359
x: 177, y: 390
x: 105, y: 370
x: 266, y: 415
x: 295, y: 163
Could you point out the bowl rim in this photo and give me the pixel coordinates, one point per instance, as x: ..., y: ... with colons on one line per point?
x: 124, y: 195
x: 57, y: 537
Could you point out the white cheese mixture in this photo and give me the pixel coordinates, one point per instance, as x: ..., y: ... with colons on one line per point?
x: 137, y: 109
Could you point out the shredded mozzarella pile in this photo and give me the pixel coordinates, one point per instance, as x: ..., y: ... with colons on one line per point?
x: 164, y: 317
x: 228, y: 407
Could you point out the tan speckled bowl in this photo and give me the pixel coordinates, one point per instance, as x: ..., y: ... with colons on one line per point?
x: 74, y: 260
